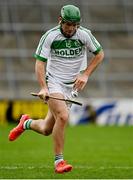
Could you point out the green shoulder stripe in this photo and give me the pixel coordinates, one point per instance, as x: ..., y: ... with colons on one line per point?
x: 40, y: 58
x: 90, y: 35
x: 44, y: 37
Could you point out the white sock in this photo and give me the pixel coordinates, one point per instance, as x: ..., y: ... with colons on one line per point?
x: 58, y: 158
x: 27, y: 123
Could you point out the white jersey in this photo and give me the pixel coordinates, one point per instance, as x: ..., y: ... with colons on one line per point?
x: 66, y: 57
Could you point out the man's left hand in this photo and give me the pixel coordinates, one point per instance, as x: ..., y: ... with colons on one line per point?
x: 80, y: 82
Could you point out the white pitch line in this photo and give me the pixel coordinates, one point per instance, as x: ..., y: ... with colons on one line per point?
x: 75, y: 167
x: 102, y: 167
x: 23, y: 167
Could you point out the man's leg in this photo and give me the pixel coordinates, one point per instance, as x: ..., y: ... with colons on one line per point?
x: 42, y: 126
x: 61, y: 114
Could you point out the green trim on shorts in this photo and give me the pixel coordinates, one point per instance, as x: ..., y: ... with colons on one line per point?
x: 69, y: 82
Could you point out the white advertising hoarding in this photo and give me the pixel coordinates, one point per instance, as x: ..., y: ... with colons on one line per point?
x: 103, y: 112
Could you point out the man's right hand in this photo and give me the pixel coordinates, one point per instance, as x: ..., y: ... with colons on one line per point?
x: 43, y: 94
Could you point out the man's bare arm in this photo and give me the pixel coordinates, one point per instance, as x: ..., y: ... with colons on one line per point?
x: 83, y: 78
x: 40, y: 70
x: 94, y: 62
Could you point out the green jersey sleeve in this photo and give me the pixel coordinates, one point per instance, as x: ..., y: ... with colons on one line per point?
x: 43, y: 50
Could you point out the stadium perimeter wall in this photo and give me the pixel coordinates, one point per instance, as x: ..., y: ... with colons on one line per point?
x: 97, y: 111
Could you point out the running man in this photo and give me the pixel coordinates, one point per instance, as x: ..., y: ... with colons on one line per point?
x: 61, y: 66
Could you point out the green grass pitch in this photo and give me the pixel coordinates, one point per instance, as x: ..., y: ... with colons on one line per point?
x: 95, y: 153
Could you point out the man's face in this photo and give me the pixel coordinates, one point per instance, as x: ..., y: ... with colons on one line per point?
x: 69, y: 29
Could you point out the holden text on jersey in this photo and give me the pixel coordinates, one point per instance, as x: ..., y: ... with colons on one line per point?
x: 68, y: 53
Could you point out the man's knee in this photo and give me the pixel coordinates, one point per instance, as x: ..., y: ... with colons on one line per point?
x: 63, y: 118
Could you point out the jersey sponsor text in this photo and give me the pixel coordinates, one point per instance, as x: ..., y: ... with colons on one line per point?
x: 68, y: 53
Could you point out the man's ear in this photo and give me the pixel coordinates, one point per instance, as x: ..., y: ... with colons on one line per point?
x: 59, y: 19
